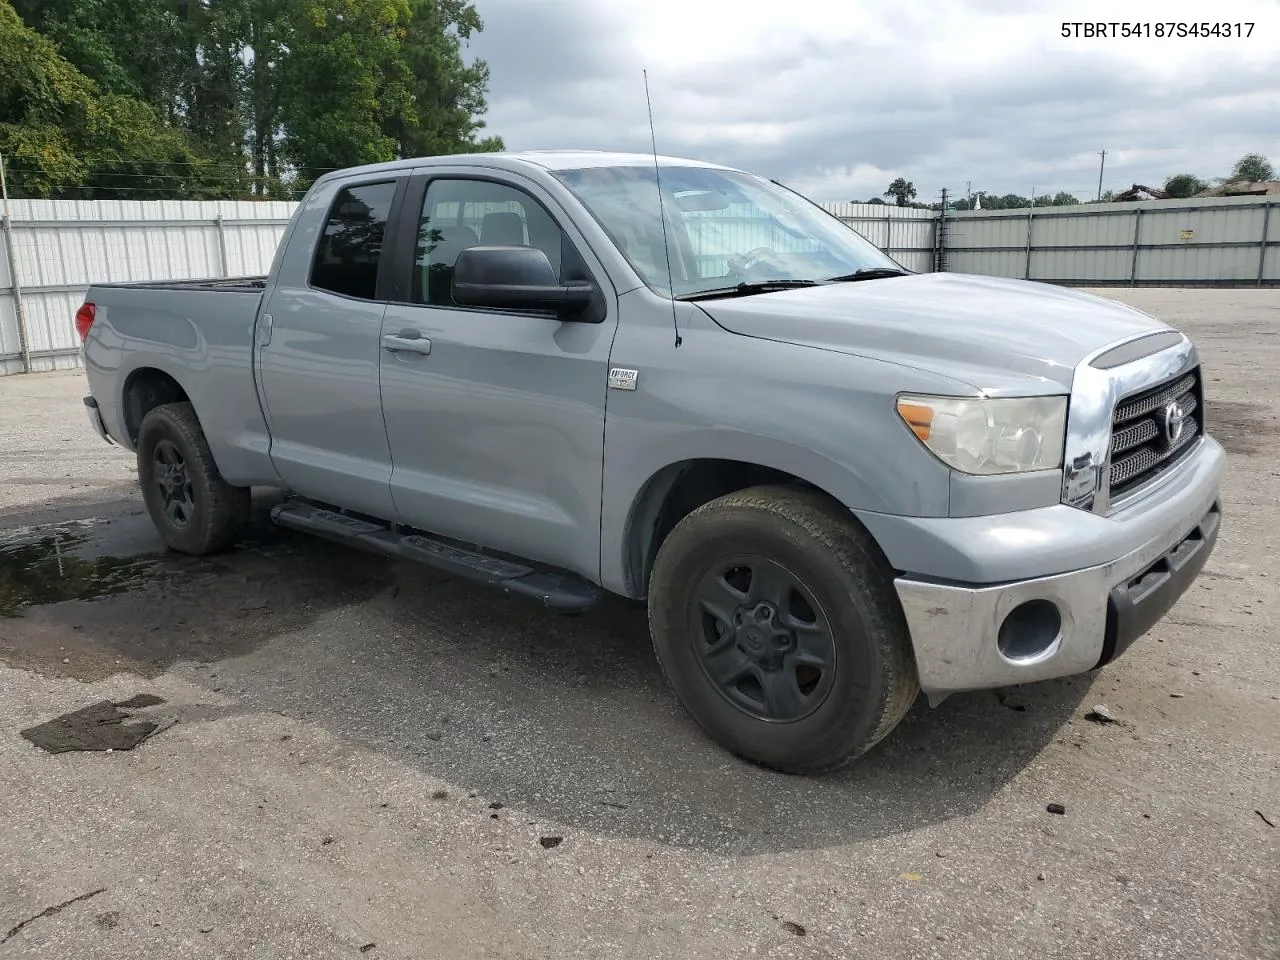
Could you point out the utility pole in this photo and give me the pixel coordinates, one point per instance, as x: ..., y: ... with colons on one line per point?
x: 1102, y: 166
x: 940, y: 237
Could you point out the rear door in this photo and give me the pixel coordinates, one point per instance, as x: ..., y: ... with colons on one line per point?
x: 318, y: 349
x: 495, y: 417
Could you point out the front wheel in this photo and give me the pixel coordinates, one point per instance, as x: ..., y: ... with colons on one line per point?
x: 775, y: 620
x: 192, y: 507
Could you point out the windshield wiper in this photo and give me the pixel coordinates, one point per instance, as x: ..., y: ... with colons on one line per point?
x: 870, y: 273
x: 746, y: 289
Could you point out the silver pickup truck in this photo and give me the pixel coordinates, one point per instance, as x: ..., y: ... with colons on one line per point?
x: 834, y: 481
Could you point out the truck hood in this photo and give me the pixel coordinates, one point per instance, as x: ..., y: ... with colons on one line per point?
x: 985, y: 331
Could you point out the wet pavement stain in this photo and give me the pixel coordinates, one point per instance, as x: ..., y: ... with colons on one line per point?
x: 42, y: 567
x: 88, y: 598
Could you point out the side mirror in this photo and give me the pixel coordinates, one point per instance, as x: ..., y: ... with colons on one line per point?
x: 515, y: 278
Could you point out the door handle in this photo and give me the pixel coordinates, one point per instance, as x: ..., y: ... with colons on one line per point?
x: 406, y: 341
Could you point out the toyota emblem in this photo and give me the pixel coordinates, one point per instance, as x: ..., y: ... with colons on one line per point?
x: 1175, y: 421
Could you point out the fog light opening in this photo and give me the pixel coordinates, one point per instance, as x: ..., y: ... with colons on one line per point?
x: 1031, y: 632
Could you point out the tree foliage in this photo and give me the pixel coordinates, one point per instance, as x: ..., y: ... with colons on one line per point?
x: 1252, y: 166
x: 902, y: 190
x: 230, y: 97
x: 63, y: 134
x: 1183, y: 185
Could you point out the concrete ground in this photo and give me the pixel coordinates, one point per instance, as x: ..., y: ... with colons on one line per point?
x: 374, y: 760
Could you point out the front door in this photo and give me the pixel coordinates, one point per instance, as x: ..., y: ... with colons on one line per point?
x: 496, y: 417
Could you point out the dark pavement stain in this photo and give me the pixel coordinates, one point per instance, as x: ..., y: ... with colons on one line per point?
x: 87, y: 598
x: 1242, y: 428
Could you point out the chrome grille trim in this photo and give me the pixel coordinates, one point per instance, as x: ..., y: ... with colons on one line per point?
x: 1146, y: 459
x: 1096, y: 396
x: 1146, y: 429
x: 1145, y: 405
x: 1133, y: 464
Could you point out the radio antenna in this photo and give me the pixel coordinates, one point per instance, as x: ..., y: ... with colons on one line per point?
x: 662, y: 215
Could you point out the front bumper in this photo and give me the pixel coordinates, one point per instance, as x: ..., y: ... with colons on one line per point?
x: 970, y: 636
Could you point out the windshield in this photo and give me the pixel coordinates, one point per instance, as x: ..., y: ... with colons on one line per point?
x: 724, y: 228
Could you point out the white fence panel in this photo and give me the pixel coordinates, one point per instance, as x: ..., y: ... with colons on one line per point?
x: 1199, y: 241
x: 63, y: 246
x: 904, y: 233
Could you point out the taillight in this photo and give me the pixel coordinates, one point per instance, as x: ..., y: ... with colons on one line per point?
x: 84, y: 319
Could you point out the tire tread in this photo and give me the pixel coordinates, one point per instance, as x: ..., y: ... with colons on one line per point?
x: 227, y: 508
x: 816, y: 516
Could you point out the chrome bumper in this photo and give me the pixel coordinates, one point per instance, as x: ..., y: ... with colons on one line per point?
x: 95, y: 419
x: 1097, y: 611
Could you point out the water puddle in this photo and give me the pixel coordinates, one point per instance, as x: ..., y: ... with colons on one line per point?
x: 50, y: 565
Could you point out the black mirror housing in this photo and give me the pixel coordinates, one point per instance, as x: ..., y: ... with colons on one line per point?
x: 516, y: 278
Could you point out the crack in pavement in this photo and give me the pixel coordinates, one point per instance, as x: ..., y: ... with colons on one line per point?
x: 50, y: 912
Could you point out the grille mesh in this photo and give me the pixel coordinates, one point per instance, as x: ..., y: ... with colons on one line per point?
x: 1140, y: 444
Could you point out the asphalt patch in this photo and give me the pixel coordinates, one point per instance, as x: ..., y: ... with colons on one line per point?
x: 97, y: 727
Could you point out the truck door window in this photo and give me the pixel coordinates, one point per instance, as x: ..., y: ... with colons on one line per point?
x: 350, y: 248
x: 457, y: 214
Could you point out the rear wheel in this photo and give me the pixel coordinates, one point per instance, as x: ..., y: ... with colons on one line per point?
x: 192, y: 507
x: 775, y: 620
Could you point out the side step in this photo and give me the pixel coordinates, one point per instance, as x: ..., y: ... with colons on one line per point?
x: 553, y: 588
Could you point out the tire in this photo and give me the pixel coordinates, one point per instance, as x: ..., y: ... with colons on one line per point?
x: 216, y: 514
x: 839, y: 579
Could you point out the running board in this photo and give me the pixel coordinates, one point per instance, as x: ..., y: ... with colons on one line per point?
x: 553, y: 588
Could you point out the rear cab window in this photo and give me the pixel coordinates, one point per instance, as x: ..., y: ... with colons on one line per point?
x: 349, y: 252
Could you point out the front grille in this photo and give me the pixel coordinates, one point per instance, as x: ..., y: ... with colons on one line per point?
x: 1143, y: 444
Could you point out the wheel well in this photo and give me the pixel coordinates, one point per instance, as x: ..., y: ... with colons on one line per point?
x: 674, y: 493
x: 143, y: 391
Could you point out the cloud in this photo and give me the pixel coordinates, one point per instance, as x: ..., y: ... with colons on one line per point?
x: 838, y: 99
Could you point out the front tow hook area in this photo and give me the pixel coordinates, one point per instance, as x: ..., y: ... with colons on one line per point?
x: 1138, y: 604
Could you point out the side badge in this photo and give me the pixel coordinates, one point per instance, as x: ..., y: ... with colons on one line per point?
x: 621, y: 378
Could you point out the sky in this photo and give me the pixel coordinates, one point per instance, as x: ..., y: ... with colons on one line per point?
x: 836, y: 99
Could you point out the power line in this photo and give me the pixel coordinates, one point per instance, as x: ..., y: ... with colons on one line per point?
x: 185, y: 178
x: 203, y: 164
x: 171, y: 193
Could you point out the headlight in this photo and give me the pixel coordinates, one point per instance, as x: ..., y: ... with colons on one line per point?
x: 1004, y: 435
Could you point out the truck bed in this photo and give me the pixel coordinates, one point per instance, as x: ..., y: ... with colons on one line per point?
x: 200, y: 336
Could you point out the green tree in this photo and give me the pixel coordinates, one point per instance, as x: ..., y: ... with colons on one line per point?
x: 139, y: 48
x: 340, y: 82
x: 447, y: 95
x: 1182, y: 185
x: 1252, y: 166
x: 902, y: 190
x: 63, y: 137
x: 251, y: 97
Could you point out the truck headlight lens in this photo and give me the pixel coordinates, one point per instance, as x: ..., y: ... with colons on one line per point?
x: 989, y: 436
